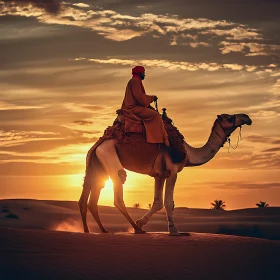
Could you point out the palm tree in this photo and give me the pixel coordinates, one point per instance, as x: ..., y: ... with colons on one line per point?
x: 218, y: 204
x: 136, y: 205
x: 262, y: 204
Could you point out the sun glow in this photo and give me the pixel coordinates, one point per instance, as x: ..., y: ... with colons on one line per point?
x: 109, y: 184
x: 107, y: 193
x: 75, y: 180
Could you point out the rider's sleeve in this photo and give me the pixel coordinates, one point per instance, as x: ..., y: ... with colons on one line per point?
x: 139, y: 95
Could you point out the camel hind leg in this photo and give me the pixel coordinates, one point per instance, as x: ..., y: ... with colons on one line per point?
x: 94, y: 180
x: 107, y: 155
x: 84, y: 199
x: 92, y: 204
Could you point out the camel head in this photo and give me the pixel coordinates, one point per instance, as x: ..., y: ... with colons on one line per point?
x: 229, y: 123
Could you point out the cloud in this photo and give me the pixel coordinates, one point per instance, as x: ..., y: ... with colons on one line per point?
x: 262, y: 139
x: 171, y: 65
x: 50, y: 6
x: 81, y: 5
x: 23, y: 168
x: 9, y: 106
x: 277, y: 149
x: 250, y: 49
x: 192, y: 32
x: 83, y: 122
x: 241, y: 185
x: 233, y: 66
x: 275, y: 89
x: 236, y: 33
x: 258, y: 186
x: 13, y: 137
x: 246, y: 161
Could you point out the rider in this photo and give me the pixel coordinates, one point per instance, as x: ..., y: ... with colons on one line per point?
x: 137, y: 102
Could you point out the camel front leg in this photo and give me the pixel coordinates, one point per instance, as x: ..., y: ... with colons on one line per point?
x: 169, y: 203
x: 119, y: 203
x: 157, y: 204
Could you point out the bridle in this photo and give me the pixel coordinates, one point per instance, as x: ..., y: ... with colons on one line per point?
x: 228, y: 137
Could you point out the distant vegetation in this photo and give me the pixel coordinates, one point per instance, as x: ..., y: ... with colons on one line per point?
x: 262, y: 204
x: 5, y: 209
x: 136, y: 205
x: 241, y: 230
x: 218, y: 205
x: 12, y: 216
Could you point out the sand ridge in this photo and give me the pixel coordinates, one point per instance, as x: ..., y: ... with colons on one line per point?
x: 45, y: 240
x: 41, y: 254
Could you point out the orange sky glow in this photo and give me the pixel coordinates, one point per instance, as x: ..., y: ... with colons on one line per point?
x: 63, y: 75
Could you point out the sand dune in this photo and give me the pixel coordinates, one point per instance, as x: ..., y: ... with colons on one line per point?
x: 44, y: 240
x: 38, y: 254
x: 65, y: 216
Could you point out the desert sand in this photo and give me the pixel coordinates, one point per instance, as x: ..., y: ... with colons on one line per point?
x: 44, y: 240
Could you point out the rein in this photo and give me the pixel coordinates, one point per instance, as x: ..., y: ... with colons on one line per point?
x: 238, y: 140
x: 156, y: 105
x: 228, y: 138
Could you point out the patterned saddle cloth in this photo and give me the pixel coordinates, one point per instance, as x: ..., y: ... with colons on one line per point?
x: 127, y: 123
x: 131, y: 122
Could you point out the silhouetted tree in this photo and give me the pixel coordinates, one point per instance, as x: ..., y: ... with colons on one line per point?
x: 136, y: 205
x: 262, y: 204
x: 218, y: 204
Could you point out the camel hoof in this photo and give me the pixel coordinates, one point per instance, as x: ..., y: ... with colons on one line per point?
x: 139, y: 231
x: 174, y: 233
x: 104, y: 231
x: 179, y: 234
x: 140, y: 223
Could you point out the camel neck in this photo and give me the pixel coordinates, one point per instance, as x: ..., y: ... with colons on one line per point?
x: 199, y: 156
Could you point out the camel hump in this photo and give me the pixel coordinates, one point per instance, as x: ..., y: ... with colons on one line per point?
x: 126, y: 125
x: 176, y: 149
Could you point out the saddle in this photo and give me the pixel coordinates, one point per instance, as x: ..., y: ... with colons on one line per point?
x: 131, y: 122
x: 128, y: 123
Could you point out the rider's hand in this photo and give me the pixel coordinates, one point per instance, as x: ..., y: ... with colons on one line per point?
x: 155, y: 98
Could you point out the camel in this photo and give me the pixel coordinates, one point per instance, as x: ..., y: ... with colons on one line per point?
x: 110, y: 158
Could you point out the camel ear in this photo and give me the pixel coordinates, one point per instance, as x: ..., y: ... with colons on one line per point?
x: 219, y: 118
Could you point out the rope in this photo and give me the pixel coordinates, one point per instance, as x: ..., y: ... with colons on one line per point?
x: 238, y: 140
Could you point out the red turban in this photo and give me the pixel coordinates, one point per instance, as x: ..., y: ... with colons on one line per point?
x: 138, y: 69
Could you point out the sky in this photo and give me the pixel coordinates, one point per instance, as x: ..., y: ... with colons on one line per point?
x: 64, y: 66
